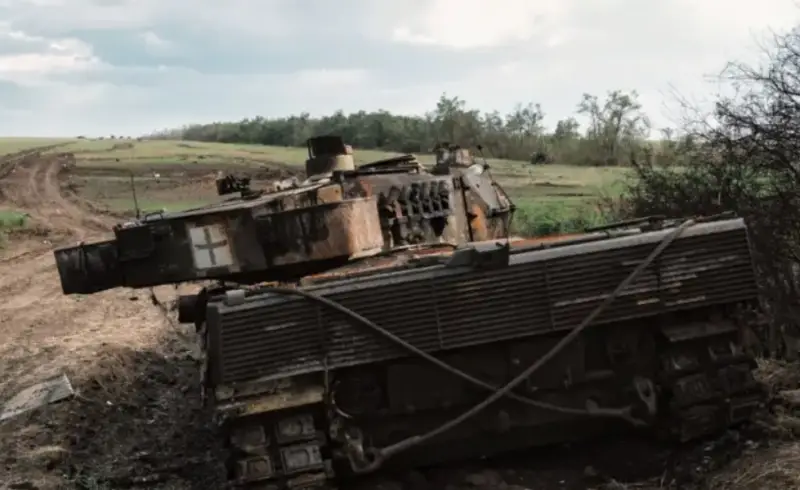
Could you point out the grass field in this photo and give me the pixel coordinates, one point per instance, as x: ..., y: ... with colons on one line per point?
x: 175, y: 175
x: 13, y: 145
x: 10, y: 220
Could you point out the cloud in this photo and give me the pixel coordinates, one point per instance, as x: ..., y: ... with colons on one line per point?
x: 27, y: 59
x: 468, y: 24
x: 157, y: 45
x: 128, y: 66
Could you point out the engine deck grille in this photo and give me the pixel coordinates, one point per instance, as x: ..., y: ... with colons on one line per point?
x: 438, y: 308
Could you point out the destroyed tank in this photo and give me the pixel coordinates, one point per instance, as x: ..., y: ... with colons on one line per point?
x: 340, y: 213
x: 381, y: 346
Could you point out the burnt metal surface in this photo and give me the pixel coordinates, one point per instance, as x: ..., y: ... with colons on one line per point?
x: 415, y: 208
x: 294, y: 229
x: 439, y: 307
x: 241, y: 240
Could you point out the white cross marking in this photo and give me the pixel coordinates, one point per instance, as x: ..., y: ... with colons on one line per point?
x: 210, y: 247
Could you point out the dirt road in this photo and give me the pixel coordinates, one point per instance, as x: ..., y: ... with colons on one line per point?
x: 119, y: 350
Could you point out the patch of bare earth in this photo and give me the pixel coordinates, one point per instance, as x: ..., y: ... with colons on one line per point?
x: 137, y: 416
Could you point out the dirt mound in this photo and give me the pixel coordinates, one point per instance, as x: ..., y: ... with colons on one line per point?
x: 137, y: 416
x: 153, y: 426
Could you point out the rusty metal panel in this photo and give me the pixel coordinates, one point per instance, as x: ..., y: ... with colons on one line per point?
x: 329, y: 194
x: 348, y: 228
x: 437, y: 308
x: 413, y: 207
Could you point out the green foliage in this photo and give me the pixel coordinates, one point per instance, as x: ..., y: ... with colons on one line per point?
x: 539, y: 218
x: 9, y: 221
x: 744, y: 158
x: 12, y: 220
x: 616, y: 128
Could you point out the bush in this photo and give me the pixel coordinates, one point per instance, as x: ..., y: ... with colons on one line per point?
x: 9, y: 221
x: 555, y: 217
x: 746, y: 158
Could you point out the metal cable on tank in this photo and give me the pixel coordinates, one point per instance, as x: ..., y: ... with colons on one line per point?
x: 378, y: 455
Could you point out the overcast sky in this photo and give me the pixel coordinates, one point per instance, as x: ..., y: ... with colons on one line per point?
x: 98, y: 67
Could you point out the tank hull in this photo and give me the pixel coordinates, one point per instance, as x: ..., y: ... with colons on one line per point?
x: 388, y: 402
x: 667, y: 356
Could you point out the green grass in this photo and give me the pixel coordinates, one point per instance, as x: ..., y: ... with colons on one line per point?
x: 13, y: 145
x: 558, y: 198
x: 9, y: 221
x: 538, y: 218
x: 12, y: 219
x: 132, y: 152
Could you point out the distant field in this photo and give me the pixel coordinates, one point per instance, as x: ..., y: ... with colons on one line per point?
x: 175, y: 175
x: 13, y: 145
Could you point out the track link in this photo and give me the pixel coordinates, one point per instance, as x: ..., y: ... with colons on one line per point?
x: 707, y: 382
x: 259, y: 458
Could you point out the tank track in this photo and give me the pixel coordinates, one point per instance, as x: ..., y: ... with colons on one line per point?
x: 704, y: 385
x: 706, y: 382
x: 258, y: 458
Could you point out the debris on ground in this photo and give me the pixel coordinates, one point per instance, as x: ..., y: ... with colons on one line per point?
x: 39, y: 395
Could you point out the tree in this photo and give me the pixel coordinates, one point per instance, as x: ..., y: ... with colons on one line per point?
x: 745, y: 157
x: 615, y: 126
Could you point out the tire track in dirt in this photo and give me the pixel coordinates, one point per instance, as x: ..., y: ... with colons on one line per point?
x: 35, y: 190
x: 28, y: 277
x: 9, y: 161
x: 110, y: 346
x: 42, y: 198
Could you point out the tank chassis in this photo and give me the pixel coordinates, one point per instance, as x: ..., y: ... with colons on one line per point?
x: 423, y: 341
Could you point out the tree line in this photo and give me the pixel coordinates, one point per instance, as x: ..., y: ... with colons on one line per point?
x: 615, y: 128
